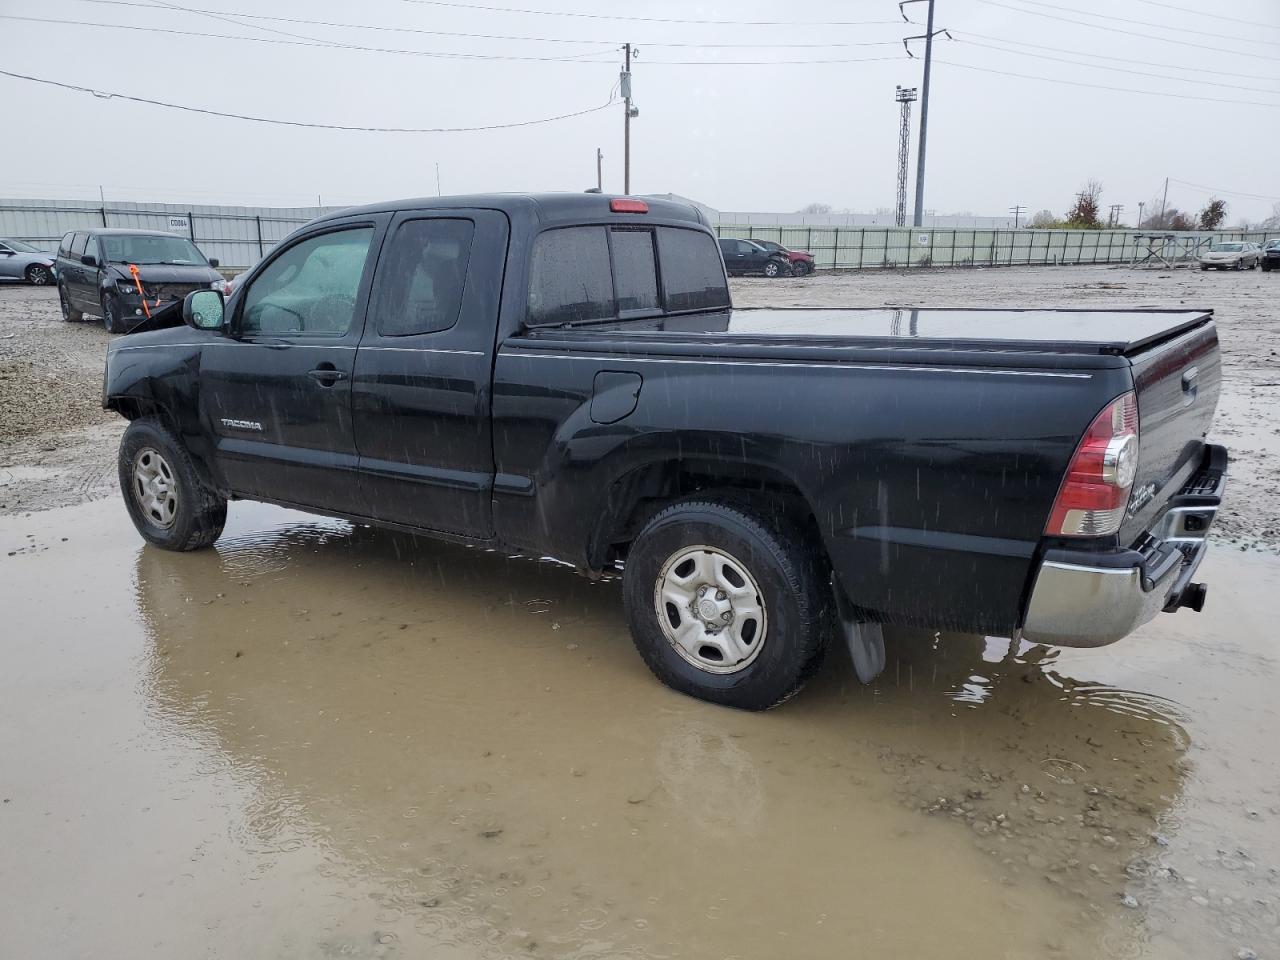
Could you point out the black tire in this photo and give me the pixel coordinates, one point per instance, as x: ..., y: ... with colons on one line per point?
x: 794, y: 595
x: 1266, y: 268
x: 38, y: 275
x: 799, y: 269
x: 111, y: 318
x: 199, y: 512
x: 772, y: 269
x: 69, y: 313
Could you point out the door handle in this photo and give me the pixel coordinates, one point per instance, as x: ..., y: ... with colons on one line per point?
x: 326, y: 375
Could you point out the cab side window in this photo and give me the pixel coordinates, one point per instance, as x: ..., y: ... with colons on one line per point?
x: 421, y: 277
x: 310, y: 289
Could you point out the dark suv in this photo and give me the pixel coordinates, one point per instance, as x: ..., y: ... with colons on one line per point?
x: 747, y: 256
x: 124, y: 275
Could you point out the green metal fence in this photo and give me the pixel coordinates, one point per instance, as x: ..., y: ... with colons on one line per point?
x: 852, y: 248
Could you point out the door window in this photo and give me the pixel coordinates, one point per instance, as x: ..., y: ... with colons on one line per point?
x: 421, y: 277
x: 310, y: 289
x: 64, y: 248
x: 77, y: 244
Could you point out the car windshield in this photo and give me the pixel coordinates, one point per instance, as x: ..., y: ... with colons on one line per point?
x: 144, y: 248
x: 1229, y: 247
x: 19, y: 247
x: 1271, y: 245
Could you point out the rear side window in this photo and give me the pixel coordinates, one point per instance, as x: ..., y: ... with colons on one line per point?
x: 635, y: 271
x: 692, y: 270
x: 64, y: 248
x: 77, y: 244
x: 422, y: 275
x: 569, y: 279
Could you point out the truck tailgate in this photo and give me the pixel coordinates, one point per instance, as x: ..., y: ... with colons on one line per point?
x: 1177, y: 382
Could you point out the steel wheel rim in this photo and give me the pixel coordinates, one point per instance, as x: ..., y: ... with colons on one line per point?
x: 711, y: 609
x: 155, y: 488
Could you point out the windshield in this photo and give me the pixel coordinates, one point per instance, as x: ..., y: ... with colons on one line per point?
x: 143, y: 248
x: 20, y: 247
x: 1271, y: 245
x: 1229, y: 247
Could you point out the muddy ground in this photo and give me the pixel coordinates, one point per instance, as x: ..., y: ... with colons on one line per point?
x: 324, y: 741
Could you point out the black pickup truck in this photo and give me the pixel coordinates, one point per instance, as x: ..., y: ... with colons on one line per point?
x: 564, y: 375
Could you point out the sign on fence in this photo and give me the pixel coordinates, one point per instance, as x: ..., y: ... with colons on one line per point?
x: 180, y: 225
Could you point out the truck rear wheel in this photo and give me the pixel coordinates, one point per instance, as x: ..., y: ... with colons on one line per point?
x: 726, y: 607
x: 168, y: 501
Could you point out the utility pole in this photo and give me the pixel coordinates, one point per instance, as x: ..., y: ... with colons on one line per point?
x: 1113, y: 219
x: 628, y: 113
x: 1164, y: 200
x: 1141, y: 204
x: 1017, y: 213
x: 438, y: 193
x: 599, y: 170
x: 927, y: 37
x: 905, y: 96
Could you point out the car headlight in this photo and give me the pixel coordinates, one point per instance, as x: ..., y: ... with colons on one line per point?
x: 127, y: 288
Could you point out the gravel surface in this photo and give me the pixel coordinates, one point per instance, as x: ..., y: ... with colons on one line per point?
x: 57, y: 446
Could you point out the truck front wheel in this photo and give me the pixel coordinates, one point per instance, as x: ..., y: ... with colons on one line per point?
x: 725, y: 606
x: 168, y: 501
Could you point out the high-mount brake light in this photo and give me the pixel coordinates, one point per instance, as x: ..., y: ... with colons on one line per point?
x: 1095, y: 492
x: 619, y: 205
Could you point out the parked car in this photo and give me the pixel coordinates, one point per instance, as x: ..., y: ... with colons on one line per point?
x: 801, y: 261
x: 1230, y: 255
x: 123, y: 276
x: 1271, y: 254
x: 565, y: 376
x: 22, y: 261
x: 746, y: 256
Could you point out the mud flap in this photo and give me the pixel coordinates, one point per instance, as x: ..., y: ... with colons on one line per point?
x: 864, y: 638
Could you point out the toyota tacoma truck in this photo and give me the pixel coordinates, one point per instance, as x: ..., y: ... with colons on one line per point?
x: 566, y: 376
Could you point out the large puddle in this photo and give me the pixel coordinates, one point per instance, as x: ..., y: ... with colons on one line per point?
x: 321, y: 741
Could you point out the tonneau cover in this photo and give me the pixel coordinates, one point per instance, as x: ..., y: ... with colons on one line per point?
x: 1116, y: 332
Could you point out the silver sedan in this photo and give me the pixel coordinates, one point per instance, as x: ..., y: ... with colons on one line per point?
x: 1231, y: 255
x: 22, y: 261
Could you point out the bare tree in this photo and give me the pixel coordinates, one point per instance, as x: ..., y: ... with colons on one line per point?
x: 1214, y: 212
x: 1272, y: 222
x: 1084, y: 214
x: 1043, y: 220
x: 815, y: 208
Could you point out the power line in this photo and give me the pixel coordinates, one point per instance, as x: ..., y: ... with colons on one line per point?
x: 445, y: 55
x: 106, y: 95
x: 1131, y: 33
x: 1215, y: 15
x: 1100, y: 86
x: 305, y: 42
x: 1101, y: 56
x: 1102, y: 66
x: 631, y: 19
x: 1234, y: 193
x: 1148, y: 23
x: 478, y: 36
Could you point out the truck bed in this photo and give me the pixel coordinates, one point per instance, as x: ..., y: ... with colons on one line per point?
x: 1066, y: 331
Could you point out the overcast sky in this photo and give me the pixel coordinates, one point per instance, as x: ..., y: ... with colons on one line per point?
x: 736, y: 136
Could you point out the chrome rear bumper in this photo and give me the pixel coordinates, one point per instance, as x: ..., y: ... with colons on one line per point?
x: 1090, y: 599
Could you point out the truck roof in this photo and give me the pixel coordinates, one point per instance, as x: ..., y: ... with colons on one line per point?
x: 545, y: 207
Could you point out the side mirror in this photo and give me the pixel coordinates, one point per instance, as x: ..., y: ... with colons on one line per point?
x: 89, y: 260
x: 203, y: 310
x: 213, y: 262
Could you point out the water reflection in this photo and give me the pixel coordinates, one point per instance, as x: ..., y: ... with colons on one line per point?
x: 471, y: 742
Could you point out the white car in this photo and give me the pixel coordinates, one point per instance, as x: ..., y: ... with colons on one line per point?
x: 1231, y: 255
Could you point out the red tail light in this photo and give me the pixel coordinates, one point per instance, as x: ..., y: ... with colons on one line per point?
x: 628, y: 206
x: 1095, y: 491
